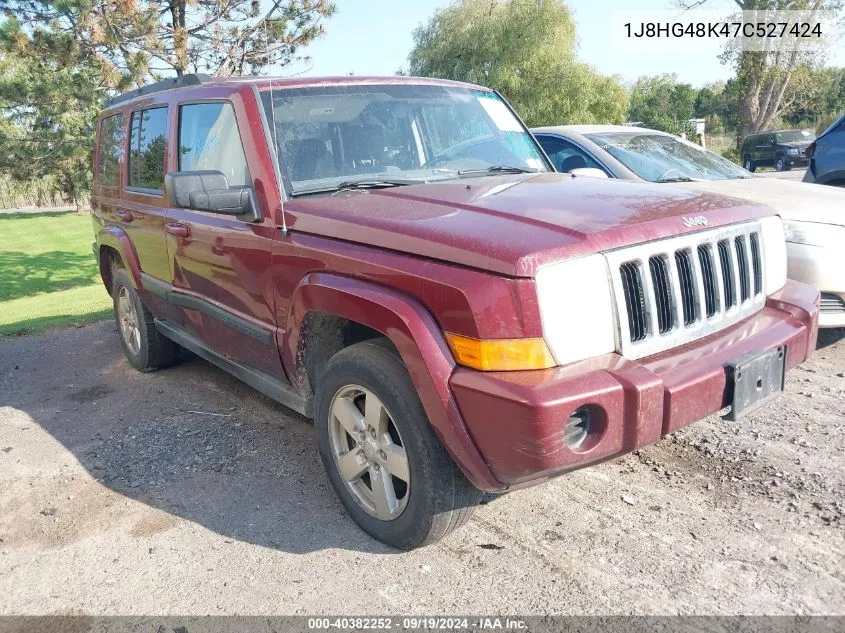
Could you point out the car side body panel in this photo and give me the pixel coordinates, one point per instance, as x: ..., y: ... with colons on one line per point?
x: 827, y: 162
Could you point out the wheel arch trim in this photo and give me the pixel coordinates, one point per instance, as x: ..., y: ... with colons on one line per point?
x: 117, y: 239
x: 417, y: 338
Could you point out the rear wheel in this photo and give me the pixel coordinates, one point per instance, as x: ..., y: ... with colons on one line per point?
x: 145, y: 348
x: 381, y: 455
x: 748, y: 163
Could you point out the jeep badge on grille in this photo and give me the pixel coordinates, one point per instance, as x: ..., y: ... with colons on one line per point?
x: 696, y: 220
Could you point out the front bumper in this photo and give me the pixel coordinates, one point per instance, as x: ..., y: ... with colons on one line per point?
x: 822, y: 268
x: 517, y: 419
x: 797, y: 161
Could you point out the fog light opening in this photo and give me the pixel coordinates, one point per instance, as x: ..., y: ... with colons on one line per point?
x: 585, y: 428
x: 578, y: 428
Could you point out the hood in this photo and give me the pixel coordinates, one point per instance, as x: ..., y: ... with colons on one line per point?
x: 513, y: 224
x: 798, y: 144
x: 791, y: 200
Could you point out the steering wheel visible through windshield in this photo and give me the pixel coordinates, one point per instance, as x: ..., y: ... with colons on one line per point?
x: 664, y: 158
x: 331, y: 137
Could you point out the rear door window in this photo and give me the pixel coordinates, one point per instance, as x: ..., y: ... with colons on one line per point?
x: 209, y: 139
x: 111, y: 146
x: 147, y: 146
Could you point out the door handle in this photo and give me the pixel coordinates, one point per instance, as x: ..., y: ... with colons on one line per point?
x: 124, y: 215
x: 177, y: 229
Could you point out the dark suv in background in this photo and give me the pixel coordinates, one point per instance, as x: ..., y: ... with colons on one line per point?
x: 827, y: 156
x: 782, y: 150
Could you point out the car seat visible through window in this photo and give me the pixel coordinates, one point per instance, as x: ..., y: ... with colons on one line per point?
x: 310, y: 159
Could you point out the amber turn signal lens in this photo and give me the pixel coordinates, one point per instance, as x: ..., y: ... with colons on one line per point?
x: 510, y: 354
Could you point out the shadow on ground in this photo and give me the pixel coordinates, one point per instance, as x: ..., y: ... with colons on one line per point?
x: 189, y: 440
x: 829, y: 337
x: 26, y: 274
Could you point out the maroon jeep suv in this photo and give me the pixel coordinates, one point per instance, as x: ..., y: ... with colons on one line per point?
x: 394, y: 259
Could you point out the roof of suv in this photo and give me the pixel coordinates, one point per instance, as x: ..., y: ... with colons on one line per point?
x: 194, y: 81
x: 771, y: 132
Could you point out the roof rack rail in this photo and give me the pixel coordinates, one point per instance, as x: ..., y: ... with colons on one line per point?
x: 165, y: 84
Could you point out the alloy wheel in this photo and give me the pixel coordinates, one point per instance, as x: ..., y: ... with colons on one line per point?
x: 369, y: 453
x: 127, y: 319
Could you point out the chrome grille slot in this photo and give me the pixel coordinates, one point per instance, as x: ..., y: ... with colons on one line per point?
x: 756, y: 264
x: 662, y: 293
x: 728, y: 289
x: 708, y: 273
x: 686, y: 279
x: 673, y: 291
x: 744, y: 269
x: 632, y: 283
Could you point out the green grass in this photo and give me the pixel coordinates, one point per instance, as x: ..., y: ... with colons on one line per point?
x: 48, y: 276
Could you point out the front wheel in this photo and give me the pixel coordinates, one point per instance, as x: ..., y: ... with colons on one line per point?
x: 748, y: 164
x: 381, y: 455
x: 781, y: 164
x: 145, y: 348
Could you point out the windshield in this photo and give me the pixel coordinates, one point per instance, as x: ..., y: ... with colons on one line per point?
x: 662, y: 158
x: 333, y: 136
x: 793, y: 136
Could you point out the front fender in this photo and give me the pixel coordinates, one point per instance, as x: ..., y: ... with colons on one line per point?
x: 414, y: 333
x: 116, y: 238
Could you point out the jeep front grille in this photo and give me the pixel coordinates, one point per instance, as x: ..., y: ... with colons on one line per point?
x: 673, y: 291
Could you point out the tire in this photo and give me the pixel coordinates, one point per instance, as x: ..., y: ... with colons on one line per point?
x: 145, y: 348
x: 781, y: 164
x: 436, y: 498
x: 749, y: 164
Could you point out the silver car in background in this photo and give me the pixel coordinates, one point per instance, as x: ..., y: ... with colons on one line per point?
x: 813, y: 216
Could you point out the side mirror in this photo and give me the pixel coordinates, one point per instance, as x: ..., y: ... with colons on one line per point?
x: 587, y: 172
x: 209, y: 191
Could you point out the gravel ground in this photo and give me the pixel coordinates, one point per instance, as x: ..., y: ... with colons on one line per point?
x: 185, y: 492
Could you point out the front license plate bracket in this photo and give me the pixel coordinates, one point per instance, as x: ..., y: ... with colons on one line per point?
x: 754, y: 380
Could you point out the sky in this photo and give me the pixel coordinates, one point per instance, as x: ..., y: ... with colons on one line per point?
x: 374, y: 37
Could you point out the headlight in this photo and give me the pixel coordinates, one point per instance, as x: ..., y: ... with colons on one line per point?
x: 576, y: 308
x: 794, y: 151
x: 814, y: 234
x: 774, y: 255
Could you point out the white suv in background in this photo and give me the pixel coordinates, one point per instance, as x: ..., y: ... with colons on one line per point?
x: 813, y: 215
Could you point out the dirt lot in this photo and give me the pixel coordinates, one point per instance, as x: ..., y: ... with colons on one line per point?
x: 185, y: 492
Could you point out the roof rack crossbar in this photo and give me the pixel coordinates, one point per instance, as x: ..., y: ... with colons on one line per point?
x: 165, y: 84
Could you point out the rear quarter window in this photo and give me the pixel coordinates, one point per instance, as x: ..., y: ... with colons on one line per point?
x: 147, y: 145
x: 109, y: 150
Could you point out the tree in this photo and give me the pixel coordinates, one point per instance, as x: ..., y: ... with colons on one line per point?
x: 526, y: 50
x: 663, y: 103
x: 47, y: 113
x: 60, y: 59
x: 139, y: 40
x: 769, y: 79
x: 821, y: 95
x: 710, y: 100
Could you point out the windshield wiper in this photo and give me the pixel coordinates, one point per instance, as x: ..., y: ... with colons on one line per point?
x: 371, y: 183
x: 676, y: 179
x: 497, y: 169
x: 375, y: 183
